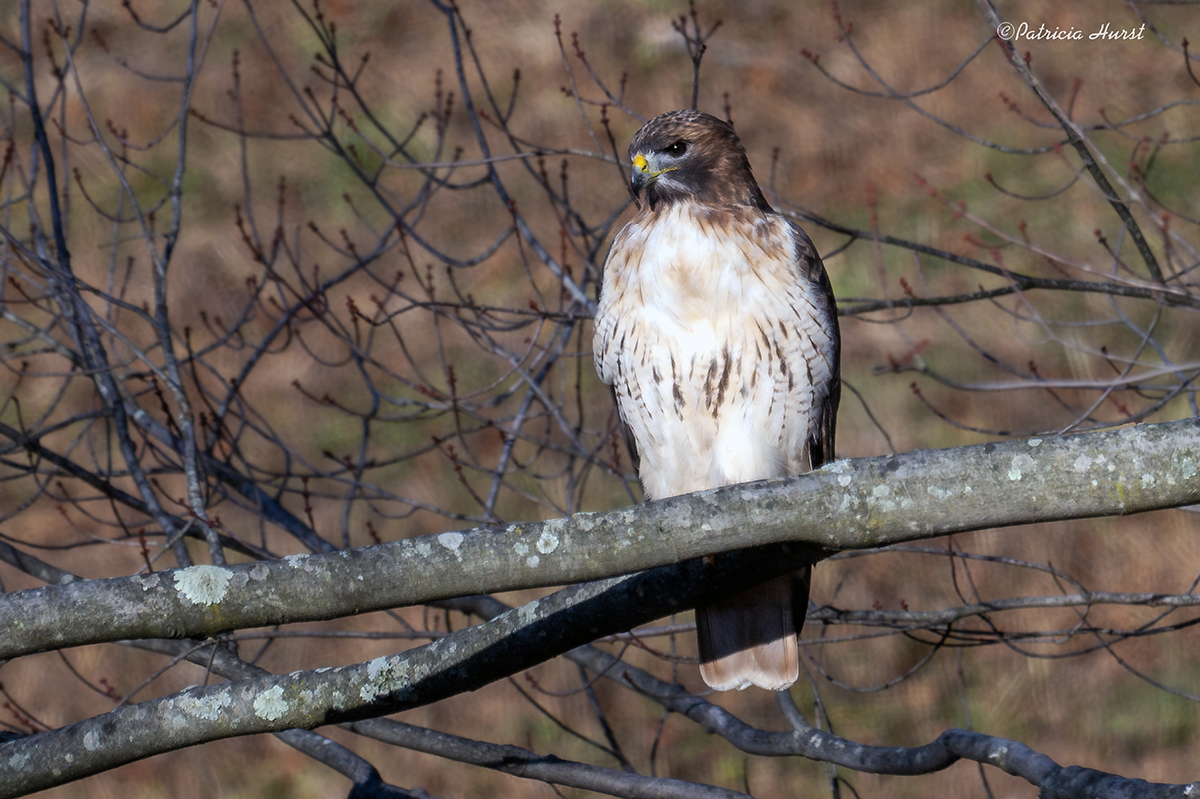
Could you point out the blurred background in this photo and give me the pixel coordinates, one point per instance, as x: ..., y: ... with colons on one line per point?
x: 377, y: 247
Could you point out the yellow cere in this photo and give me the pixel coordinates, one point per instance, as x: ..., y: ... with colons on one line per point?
x: 639, y: 161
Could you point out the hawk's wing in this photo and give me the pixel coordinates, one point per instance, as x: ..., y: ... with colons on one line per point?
x: 811, y: 268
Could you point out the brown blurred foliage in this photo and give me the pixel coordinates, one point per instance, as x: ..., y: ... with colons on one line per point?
x: 389, y: 348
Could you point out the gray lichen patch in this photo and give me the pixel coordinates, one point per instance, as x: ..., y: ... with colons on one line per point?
x: 452, y: 541
x: 385, y: 675
x: 939, y: 492
x: 210, y: 707
x: 270, y: 704
x: 547, y: 542
x: 1187, y: 468
x: 203, y: 585
x: 307, y: 563
x: 1021, y: 465
x: 528, y: 613
x: 881, y: 499
x: 18, y: 761
x: 146, y: 581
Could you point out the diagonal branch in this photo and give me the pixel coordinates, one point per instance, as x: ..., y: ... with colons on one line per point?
x: 1076, y: 138
x: 457, y: 663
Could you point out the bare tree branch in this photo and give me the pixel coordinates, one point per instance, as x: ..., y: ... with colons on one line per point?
x: 1077, y: 140
x: 848, y: 504
x: 336, y: 291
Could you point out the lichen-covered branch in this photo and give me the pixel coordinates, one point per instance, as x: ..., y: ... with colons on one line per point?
x: 461, y: 662
x: 848, y: 504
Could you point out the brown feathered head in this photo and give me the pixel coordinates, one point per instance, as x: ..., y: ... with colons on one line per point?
x: 690, y: 155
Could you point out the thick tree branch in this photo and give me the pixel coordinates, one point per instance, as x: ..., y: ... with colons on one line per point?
x: 848, y: 504
x: 458, y: 663
x: 512, y: 760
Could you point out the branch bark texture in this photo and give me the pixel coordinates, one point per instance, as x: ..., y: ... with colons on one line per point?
x: 848, y: 504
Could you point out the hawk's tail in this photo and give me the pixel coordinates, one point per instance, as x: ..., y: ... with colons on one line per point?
x: 750, y: 638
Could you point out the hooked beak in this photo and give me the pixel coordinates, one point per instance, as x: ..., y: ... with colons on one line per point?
x: 645, y: 170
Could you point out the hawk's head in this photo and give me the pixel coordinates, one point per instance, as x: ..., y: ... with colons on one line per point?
x: 690, y: 155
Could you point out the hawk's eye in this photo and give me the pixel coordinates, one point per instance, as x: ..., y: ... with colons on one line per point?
x: 677, y: 149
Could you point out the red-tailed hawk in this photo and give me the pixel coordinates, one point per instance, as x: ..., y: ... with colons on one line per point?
x: 718, y: 332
